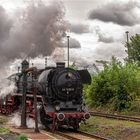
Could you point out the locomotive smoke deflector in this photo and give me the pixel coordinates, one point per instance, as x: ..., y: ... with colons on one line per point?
x: 85, y: 76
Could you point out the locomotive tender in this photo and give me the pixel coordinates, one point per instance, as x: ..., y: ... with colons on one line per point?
x: 59, y: 95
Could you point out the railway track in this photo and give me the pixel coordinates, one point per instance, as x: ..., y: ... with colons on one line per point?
x: 79, y: 135
x: 119, y: 117
x: 63, y: 134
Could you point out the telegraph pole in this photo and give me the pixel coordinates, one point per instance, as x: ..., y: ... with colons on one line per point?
x: 127, y: 36
x: 68, y: 50
x: 127, y: 42
x: 25, y: 65
x: 23, y: 113
x: 35, y: 99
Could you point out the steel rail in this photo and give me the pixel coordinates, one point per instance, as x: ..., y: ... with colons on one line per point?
x: 113, y: 116
x: 65, y: 135
x: 71, y: 136
x: 92, y: 135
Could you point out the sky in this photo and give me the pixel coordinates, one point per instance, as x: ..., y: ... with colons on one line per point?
x: 96, y: 28
x: 108, y: 20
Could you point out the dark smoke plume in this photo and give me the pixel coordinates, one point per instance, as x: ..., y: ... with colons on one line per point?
x: 119, y: 13
x: 5, y: 25
x: 38, y: 31
x: 79, y: 28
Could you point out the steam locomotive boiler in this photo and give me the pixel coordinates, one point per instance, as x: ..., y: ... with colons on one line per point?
x: 59, y: 95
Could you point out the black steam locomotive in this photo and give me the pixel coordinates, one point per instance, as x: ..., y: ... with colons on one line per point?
x: 59, y: 95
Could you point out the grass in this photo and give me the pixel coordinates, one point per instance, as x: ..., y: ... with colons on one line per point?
x: 3, y: 120
x: 134, y: 110
x: 111, y: 128
x: 4, y: 131
x: 21, y: 137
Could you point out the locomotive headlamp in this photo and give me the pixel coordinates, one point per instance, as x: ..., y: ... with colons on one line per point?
x: 87, y: 116
x: 57, y: 108
x: 60, y: 116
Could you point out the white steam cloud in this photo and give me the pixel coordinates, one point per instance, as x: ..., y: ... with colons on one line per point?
x: 16, y: 121
x: 7, y: 88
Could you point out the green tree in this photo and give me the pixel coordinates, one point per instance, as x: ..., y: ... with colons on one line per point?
x: 116, y: 84
x: 133, y: 49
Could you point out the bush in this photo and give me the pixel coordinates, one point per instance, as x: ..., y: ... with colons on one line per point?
x: 135, y: 107
x: 116, y: 84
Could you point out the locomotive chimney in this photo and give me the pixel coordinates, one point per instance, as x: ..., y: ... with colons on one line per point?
x: 60, y: 64
x: 25, y: 65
